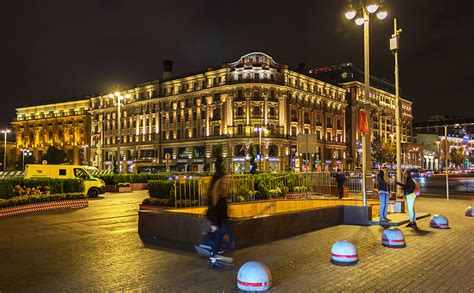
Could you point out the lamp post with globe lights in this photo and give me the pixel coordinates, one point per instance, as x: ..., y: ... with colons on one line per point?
x: 5, y: 131
x: 119, y: 97
x: 361, y: 11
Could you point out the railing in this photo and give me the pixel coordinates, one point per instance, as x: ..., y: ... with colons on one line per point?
x: 193, y: 191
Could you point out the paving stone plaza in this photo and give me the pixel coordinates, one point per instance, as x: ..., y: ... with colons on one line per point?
x: 98, y: 249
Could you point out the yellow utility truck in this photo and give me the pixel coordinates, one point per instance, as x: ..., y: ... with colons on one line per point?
x: 92, y: 186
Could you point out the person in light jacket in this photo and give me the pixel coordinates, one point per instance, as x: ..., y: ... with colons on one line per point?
x: 409, y: 191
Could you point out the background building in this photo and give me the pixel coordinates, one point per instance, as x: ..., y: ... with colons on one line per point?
x: 184, y: 116
x: 382, y: 106
x: 63, y: 124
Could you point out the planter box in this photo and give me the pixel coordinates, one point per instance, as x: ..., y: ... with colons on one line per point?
x: 125, y: 189
x: 144, y: 207
x: 139, y: 186
x: 335, y: 191
x: 111, y: 188
x: 296, y: 195
x: 43, y: 206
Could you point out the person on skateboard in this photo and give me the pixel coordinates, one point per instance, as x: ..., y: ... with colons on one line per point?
x: 217, y: 215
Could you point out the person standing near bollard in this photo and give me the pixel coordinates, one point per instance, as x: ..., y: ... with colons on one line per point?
x: 409, y: 191
x: 217, y: 215
x: 384, y: 191
x: 340, y: 180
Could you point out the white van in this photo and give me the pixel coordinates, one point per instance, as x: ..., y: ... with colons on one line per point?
x: 92, y: 186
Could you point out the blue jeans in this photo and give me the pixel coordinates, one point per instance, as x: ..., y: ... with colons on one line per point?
x: 383, y: 195
x: 221, y: 231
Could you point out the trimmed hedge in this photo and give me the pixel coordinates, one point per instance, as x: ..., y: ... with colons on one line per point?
x: 164, y: 202
x: 112, y: 179
x: 161, y: 189
x: 27, y: 199
x: 56, y: 186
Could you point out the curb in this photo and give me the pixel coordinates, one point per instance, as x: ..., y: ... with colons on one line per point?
x: 43, y: 206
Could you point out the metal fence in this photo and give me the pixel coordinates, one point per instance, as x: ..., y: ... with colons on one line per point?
x: 193, y: 191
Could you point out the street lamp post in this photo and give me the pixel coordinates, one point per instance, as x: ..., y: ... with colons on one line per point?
x: 365, y: 8
x: 119, y: 104
x: 5, y: 131
x: 25, y: 152
x: 85, y: 153
x: 439, y: 154
x: 260, y: 129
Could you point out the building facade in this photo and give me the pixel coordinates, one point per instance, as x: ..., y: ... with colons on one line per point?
x: 65, y: 125
x: 230, y: 105
x: 381, y: 111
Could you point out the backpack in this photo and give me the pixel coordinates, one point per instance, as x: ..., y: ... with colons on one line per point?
x: 417, y: 190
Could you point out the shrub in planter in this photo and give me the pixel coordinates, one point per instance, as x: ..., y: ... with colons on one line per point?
x: 161, y: 189
x: 186, y: 203
x: 123, y: 184
x: 27, y: 199
x: 14, y: 187
x: 165, y: 202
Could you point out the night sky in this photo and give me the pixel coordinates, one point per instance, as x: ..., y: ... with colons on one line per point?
x: 60, y: 49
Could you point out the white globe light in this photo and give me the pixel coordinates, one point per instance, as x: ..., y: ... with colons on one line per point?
x: 381, y: 14
x: 350, y: 14
x: 359, y: 21
x: 372, y: 8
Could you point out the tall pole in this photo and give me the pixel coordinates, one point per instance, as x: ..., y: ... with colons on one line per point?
x: 260, y: 144
x: 446, y: 158
x: 396, y: 35
x: 5, y: 153
x: 119, y: 159
x: 366, y: 136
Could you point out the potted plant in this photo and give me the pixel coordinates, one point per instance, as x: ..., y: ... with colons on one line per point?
x: 124, y: 187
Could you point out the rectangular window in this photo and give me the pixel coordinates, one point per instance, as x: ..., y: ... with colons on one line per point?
x: 240, y: 94
x: 62, y: 172
x: 240, y: 129
x: 293, y: 131
x: 217, y: 130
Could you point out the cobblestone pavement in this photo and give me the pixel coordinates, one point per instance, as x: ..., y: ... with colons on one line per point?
x: 98, y: 249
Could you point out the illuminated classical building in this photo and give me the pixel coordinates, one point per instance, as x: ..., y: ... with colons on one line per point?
x: 382, y: 106
x: 184, y: 116
x: 65, y: 125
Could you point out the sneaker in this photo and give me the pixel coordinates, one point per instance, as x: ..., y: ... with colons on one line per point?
x: 215, y: 265
x: 409, y: 225
x: 388, y: 220
x: 414, y: 225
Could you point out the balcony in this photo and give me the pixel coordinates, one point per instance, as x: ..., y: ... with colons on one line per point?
x: 253, y: 80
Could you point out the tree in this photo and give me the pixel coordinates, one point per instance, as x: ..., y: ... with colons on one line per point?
x: 382, y: 151
x: 55, y: 155
x: 219, y: 167
x: 253, y: 164
x: 457, y: 157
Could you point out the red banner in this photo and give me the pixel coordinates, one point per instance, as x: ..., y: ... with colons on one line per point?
x: 362, y: 126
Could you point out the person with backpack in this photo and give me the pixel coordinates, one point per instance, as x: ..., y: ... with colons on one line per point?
x: 384, y: 191
x: 340, y: 180
x: 217, y: 215
x: 410, y: 189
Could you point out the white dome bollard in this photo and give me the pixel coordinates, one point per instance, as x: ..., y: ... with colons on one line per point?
x: 393, y: 238
x: 439, y: 222
x: 254, y: 276
x: 469, y: 212
x: 344, y: 253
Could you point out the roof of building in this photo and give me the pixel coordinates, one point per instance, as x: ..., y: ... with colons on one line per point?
x: 347, y: 72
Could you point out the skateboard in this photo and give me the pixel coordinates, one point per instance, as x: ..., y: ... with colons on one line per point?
x: 205, y: 250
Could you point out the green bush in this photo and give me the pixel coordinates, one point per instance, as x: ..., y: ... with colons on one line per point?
x: 55, y: 186
x: 27, y: 199
x: 112, y: 179
x: 161, y: 189
x: 187, y: 203
x: 165, y: 202
x: 123, y: 184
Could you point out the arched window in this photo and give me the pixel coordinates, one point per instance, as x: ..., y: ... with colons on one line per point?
x: 273, y: 151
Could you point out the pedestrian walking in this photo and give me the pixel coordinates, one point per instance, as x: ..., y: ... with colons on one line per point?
x: 340, y: 180
x: 217, y: 215
x: 383, y: 181
x: 409, y: 190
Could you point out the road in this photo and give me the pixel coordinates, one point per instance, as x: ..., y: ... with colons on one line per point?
x: 459, y: 185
